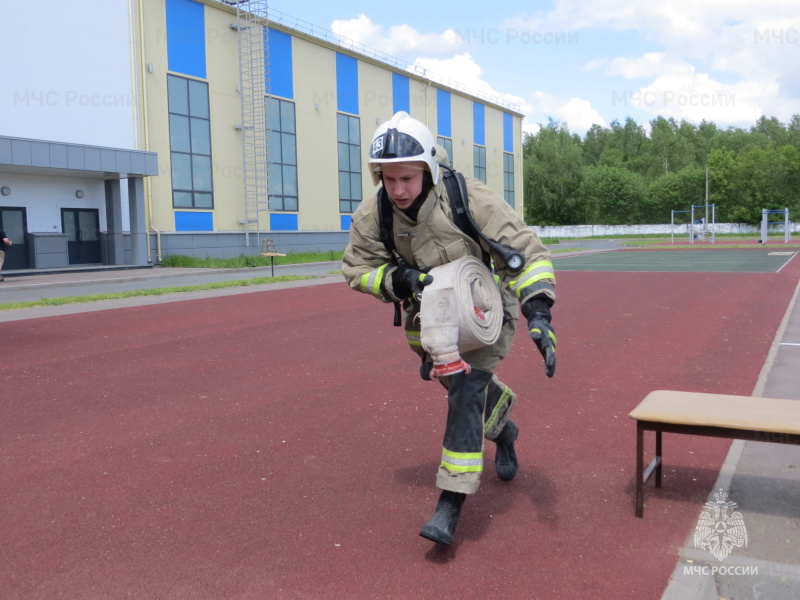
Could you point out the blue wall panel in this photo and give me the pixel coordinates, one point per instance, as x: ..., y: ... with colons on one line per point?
x: 346, y: 84
x: 186, y: 38
x: 401, y: 96
x: 479, y: 123
x: 508, y: 133
x: 280, y: 63
x: 345, y: 222
x: 444, y: 127
x: 283, y: 222
x: 194, y: 221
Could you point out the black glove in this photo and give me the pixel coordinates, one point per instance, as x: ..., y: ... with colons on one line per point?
x: 538, y: 314
x: 407, y: 282
x: 425, y: 370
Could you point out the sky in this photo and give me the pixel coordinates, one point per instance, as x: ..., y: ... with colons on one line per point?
x: 582, y: 63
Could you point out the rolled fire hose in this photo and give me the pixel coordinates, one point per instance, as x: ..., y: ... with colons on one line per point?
x: 460, y: 311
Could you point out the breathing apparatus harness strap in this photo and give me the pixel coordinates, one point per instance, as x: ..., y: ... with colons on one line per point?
x: 385, y: 219
x: 456, y: 187
x: 459, y: 202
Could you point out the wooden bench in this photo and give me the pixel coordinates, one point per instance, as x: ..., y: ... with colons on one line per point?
x: 268, y: 248
x: 717, y: 415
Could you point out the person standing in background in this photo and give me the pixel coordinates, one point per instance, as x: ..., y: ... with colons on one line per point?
x: 6, y: 242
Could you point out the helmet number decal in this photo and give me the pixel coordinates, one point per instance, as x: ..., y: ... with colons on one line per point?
x: 377, y: 146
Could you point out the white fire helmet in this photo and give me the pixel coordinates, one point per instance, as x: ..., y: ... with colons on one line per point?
x: 402, y: 139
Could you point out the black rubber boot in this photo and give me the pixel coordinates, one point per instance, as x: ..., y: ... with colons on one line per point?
x: 505, y: 459
x: 442, y: 527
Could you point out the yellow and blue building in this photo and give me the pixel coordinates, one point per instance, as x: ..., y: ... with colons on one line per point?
x: 250, y: 125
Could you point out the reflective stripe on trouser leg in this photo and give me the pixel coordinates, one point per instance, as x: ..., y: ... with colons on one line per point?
x: 499, y: 404
x: 462, y: 454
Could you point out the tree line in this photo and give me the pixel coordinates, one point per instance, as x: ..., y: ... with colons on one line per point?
x: 620, y: 175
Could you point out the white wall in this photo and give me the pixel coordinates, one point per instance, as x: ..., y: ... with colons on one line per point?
x: 44, y: 197
x: 580, y: 231
x: 65, y: 72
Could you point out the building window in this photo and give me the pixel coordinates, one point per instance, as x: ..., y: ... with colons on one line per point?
x: 508, y: 178
x: 479, y: 162
x: 190, y: 143
x: 349, y: 146
x: 447, y: 144
x: 282, y: 155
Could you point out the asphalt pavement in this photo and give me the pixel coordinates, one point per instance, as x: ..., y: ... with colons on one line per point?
x: 31, y: 286
x: 763, y: 478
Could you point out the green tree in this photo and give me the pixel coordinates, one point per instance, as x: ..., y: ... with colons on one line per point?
x: 626, y: 146
x: 676, y: 191
x: 793, y: 131
x: 593, y: 145
x: 552, y: 162
x: 612, y: 196
x: 663, y: 142
x: 724, y: 187
x: 772, y: 129
x: 665, y: 195
x: 769, y: 178
x: 739, y: 141
x: 618, y: 174
x: 703, y: 141
x: 689, y: 143
x: 671, y: 146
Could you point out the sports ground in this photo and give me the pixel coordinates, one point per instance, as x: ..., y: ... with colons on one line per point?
x: 280, y: 443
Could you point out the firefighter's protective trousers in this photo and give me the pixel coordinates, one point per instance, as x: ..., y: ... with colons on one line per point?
x: 479, y: 405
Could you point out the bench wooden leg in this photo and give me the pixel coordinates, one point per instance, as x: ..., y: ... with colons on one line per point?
x: 658, y: 458
x: 654, y: 467
x: 639, y: 470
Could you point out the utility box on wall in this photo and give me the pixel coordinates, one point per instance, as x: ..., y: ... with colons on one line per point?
x: 48, y: 250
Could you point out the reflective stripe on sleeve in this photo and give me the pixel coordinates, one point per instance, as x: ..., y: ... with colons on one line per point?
x: 371, y: 282
x: 414, y: 338
x: 534, y: 289
x: 462, y: 462
x: 541, y: 269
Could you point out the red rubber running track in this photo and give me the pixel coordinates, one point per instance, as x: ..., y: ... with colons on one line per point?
x: 280, y: 445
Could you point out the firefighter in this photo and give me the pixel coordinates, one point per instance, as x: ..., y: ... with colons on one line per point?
x: 405, y: 159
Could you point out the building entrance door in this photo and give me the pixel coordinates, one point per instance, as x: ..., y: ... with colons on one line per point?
x: 82, y: 226
x: 14, y: 222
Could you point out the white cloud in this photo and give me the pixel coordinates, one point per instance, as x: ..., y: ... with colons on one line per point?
x: 580, y: 115
x: 677, y: 90
x: 696, y: 96
x: 753, y: 46
x: 460, y: 70
x: 401, y: 41
x: 647, y: 65
x: 729, y: 61
x: 577, y: 113
x: 463, y: 73
x: 725, y: 31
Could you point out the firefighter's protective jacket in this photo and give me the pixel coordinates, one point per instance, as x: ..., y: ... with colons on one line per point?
x: 434, y: 239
